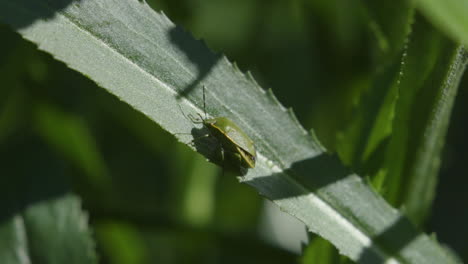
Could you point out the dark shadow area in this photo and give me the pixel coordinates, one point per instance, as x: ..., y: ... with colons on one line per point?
x: 317, y: 174
x: 206, y: 145
x: 326, y: 169
x: 392, y: 240
x: 211, y: 148
x: 197, y: 52
x: 21, y: 13
x: 30, y: 173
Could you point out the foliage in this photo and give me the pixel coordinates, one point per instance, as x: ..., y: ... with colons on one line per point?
x: 376, y: 82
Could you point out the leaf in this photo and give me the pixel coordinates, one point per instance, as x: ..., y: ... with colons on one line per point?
x: 148, y: 62
x: 449, y: 16
x: 430, y: 74
x: 40, y: 221
x: 399, y: 126
x: 53, y: 231
x: 390, y: 21
x: 371, y: 117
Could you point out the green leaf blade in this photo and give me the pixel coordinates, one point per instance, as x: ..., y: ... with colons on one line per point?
x: 13, y: 242
x: 449, y: 16
x: 431, y: 72
x: 53, y: 231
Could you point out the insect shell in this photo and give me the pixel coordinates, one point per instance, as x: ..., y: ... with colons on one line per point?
x: 237, y: 149
x: 233, y: 140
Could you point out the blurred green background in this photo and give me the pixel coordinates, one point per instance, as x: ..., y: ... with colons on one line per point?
x: 152, y: 199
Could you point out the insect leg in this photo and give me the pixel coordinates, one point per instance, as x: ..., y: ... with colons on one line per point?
x: 190, y: 117
x: 198, y: 138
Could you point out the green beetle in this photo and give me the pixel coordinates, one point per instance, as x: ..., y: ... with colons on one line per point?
x: 234, y: 142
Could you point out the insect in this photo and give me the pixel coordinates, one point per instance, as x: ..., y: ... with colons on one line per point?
x: 236, y: 147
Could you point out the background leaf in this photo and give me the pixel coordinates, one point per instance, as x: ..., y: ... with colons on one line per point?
x: 47, y: 232
x: 449, y: 16
x: 423, y: 108
x: 40, y: 222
